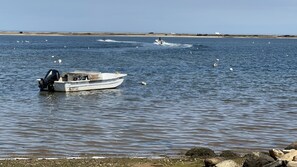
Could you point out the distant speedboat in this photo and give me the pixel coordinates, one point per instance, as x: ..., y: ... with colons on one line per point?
x: 159, y: 42
x: 79, y: 81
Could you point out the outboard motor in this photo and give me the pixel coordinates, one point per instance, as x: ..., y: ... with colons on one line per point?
x: 47, y: 83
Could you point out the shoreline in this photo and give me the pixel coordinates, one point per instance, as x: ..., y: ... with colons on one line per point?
x: 150, y: 34
x: 108, y: 162
x: 195, y: 157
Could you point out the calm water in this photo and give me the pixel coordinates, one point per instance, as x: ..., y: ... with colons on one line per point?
x: 186, y: 102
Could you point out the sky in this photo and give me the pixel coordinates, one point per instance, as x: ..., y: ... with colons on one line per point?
x: 274, y: 17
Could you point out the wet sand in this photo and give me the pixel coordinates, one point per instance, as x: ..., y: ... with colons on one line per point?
x: 108, y: 162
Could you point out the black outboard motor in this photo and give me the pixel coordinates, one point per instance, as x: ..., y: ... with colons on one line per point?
x: 47, y: 83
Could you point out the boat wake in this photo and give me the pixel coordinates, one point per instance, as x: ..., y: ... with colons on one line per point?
x: 167, y: 44
x: 115, y: 41
x: 163, y: 43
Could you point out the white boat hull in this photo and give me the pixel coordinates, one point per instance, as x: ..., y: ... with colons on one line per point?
x: 74, y: 86
x: 159, y: 42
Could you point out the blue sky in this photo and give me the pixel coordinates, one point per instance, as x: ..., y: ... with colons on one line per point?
x: 178, y: 16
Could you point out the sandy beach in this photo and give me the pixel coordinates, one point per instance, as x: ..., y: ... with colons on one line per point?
x: 110, y: 162
x: 149, y: 34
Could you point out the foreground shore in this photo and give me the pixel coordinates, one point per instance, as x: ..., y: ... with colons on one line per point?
x: 195, y: 157
x: 110, y: 162
x: 150, y: 34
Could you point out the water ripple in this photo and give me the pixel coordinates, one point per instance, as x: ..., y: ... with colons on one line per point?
x: 186, y: 102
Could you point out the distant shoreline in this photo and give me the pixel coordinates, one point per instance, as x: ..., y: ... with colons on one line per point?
x: 151, y: 34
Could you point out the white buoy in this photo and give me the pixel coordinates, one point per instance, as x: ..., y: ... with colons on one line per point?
x: 231, y: 69
x: 60, y: 61
x: 216, y: 63
x: 55, y: 61
x: 143, y: 83
x: 53, y: 56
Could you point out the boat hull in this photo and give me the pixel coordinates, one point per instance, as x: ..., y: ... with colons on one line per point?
x: 74, y: 86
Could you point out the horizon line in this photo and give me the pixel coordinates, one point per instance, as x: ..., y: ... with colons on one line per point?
x: 216, y: 34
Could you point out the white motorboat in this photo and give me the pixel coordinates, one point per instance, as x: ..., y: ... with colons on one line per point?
x: 79, y: 81
x: 159, y: 41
